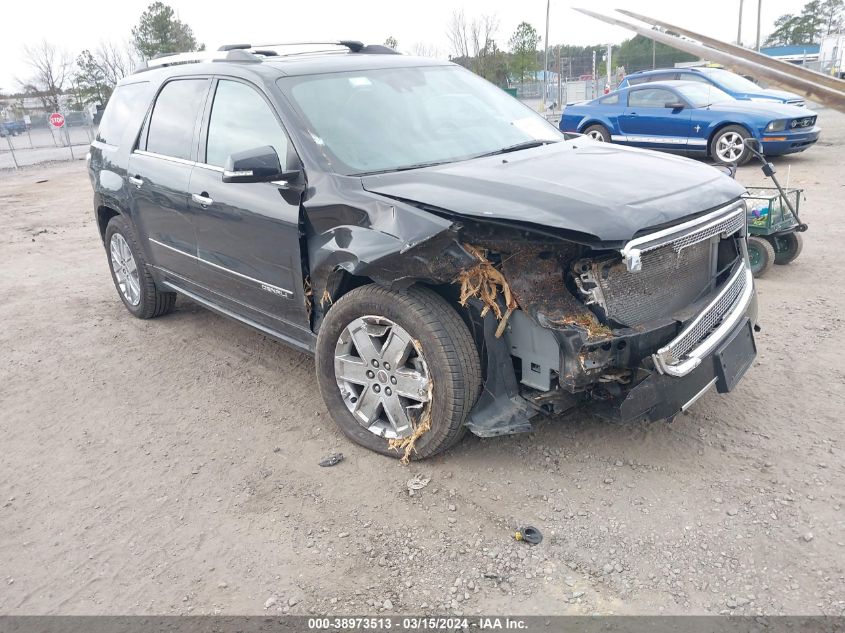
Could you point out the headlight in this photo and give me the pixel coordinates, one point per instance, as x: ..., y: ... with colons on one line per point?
x: 776, y: 126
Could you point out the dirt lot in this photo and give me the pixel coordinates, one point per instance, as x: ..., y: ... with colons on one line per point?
x: 170, y: 466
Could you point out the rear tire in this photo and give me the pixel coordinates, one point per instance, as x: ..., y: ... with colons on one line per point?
x: 140, y: 295
x: 598, y: 132
x: 762, y: 255
x: 787, y: 247
x: 440, y: 342
x: 726, y: 143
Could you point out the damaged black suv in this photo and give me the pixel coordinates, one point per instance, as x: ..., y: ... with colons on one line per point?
x: 453, y: 261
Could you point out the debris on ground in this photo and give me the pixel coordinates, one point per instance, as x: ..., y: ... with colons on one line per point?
x: 485, y: 282
x: 417, y: 482
x: 528, y: 534
x: 331, y: 460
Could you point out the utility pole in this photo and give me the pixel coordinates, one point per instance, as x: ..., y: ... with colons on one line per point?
x: 653, y: 54
x: 595, y: 78
x: 546, y: 65
x: 759, y: 11
x: 609, y: 66
x: 739, y: 26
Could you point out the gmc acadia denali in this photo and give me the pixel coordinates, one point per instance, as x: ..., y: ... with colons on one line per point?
x: 452, y: 260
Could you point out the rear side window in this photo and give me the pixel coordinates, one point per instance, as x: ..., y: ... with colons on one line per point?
x: 633, y: 81
x: 610, y: 99
x: 651, y: 98
x: 126, y: 104
x: 240, y: 120
x: 694, y: 77
x: 171, y: 127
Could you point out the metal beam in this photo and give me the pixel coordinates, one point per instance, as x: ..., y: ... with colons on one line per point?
x: 739, y: 51
x: 729, y: 55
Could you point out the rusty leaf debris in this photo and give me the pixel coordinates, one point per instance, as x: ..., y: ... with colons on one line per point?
x: 485, y: 282
x: 308, y: 294
x: 423, y: 425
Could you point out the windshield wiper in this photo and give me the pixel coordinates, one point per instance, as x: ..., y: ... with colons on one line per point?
x: 402, y: 168
x: 516, y: 147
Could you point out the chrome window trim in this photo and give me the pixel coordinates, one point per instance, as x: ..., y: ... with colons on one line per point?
x: 287, y: 294
x: 708, y: 344
x: 181, y: 161
x: 172, y: 159
x: 632, y: 250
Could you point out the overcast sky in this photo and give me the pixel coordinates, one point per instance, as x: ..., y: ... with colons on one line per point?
x: 82, y: 24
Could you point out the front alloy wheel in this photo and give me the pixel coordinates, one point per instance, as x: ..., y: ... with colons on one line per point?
x: 397, y: 365
x: 382, y: 376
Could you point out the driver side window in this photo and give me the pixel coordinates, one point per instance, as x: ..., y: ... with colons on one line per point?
x: 241, y: 120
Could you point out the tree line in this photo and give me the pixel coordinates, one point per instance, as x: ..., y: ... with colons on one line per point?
x: 91, y: 76
x: 817, y: 19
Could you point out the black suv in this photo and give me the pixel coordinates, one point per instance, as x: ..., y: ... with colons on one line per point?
x: 451, y: 258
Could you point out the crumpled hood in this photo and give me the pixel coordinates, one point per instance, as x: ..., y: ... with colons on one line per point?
x: 605, y: 191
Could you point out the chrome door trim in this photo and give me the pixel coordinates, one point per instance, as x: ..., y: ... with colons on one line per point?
x: 216, y: 307
x: 267, y: 287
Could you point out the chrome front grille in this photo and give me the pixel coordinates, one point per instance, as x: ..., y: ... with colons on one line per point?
x: 724, y: 222
x: 668, y: 281
x: 698, y: 339
x: 707, y: 321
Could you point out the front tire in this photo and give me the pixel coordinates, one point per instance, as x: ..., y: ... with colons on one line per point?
x: 598, y: 132
x: 130, y: 273
x: 384, y: 357
x: 728, y: 146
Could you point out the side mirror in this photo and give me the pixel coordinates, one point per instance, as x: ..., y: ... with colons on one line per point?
x: 675, y: 105
x: 260, y: 164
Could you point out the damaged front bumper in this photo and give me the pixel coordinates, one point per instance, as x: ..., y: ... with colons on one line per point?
x: 666, y: 368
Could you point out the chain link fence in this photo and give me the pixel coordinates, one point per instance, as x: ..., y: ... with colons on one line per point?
x: 32, y: 139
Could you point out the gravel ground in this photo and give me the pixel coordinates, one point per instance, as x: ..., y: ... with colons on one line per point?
x: 170, y: 466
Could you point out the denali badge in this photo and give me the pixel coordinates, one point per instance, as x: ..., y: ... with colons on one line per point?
x: 274, y: 290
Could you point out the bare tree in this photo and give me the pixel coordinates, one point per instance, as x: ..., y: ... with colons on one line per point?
x: 51, y: 71
x: 421, y: 49
x: 482, y: 30
x: 458, y: 34
x: 116, y: 60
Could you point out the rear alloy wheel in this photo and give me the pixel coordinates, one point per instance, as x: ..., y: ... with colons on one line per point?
x: 728, y: 146
x: 598, y: 133
x: 787, y: 246
x: 388, y: 359
x: 135, y: 285
x: 761, y: 255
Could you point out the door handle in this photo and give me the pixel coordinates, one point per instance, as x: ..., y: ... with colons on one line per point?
x: 202, y: 199
x: 137, y: 181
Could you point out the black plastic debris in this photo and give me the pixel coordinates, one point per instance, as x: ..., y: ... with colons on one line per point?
x: 331, y: 460
x: 529, y: 534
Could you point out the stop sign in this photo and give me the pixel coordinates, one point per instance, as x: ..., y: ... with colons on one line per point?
x: 57, y: 119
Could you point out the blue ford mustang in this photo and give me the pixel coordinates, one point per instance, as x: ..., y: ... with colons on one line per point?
x: 735, y: 85
x: 692, y: 118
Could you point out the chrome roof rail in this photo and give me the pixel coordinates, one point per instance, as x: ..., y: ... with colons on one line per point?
x: 198, y: 57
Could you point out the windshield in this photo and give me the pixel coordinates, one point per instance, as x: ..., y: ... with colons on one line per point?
x: 700, y: 95
x: 731, y: 81
x: 400, y: 118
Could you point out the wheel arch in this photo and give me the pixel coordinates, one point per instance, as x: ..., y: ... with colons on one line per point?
x: 593, y: 121
x: 105, y: 213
